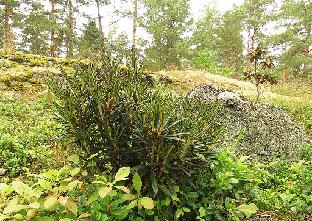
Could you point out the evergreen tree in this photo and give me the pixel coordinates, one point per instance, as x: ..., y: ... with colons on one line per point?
x: 218, y: 41
x: 230, y: 41
x: 35, y: 31
x: 119, y: 46
x: 167, y: 21
x: 1, y: 26
x: 89, y: 43
x: 134, y: 33
x: 256, y: 14
x: 296, y: 40
x: 53, y: 28
x: 204, y: 41
x: 8, y: 14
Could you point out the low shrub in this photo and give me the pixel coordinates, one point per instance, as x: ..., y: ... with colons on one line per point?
x: 112, y: 113
x: 27, y: 131
x: 63, y: 195
x: 285, y: 188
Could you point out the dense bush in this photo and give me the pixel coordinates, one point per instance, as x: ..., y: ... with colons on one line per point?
x: 26, y: 134
x: 119, y: 120
x: 285, y: 187
x: 62, y: 195
x: 205, y: 60
x: 111, y: 112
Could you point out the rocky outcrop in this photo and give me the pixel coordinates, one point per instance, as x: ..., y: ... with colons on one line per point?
x: 261, y: 131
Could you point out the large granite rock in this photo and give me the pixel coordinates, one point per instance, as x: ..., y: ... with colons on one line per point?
x: 263, y: 132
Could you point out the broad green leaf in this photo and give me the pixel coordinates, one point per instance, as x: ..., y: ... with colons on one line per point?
x: 75, y: 171
x: 19, y: 217
x: 74, y: 158
x: 123, y: 188
x: 45, y: 184
x: 51, y: 203
x: 185, y: 209
x: 94, y: 196
x: 137, y: 183
x: 22, y: 188
x: 128, y: 197
x: 234, y: 180
x: 104, y: 191
x: 121, y: 214
x: 178, y: 213
x: 51, y: 174
x: 84, y: 173
x: 149, y: 212
x: 248, y: 210
x: 122, y: 174
x: 84, y: 215
x: 6, y: 189
x: 31, y: 213
x: 73, y: 184
x: 147, y: 203
x: 35, y: 205
x: 133, y: 204
x: 66, y: 219
x: 202, y: 212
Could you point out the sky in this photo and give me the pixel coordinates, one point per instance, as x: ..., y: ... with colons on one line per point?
x: 197, y: 10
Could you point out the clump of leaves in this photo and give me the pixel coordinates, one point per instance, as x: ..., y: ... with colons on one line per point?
x: 26, y: 130
x: 258, y: 72
x: 65, y: 195
x: 111, y: 112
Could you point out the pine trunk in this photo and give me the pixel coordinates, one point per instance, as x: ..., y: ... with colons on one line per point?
x: 134, y: 31
x: 53, y: 21
x: 7, y: 38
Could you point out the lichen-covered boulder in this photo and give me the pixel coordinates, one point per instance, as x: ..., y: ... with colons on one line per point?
x: 261, y: 131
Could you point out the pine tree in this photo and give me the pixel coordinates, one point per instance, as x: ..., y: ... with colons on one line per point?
x: 89, y: 43
x: 1, y: 27
x: 53, y: 28
x: 204, y: 41
x: 230, y: 41
x: 296, y: 41
x: 70, y: 32
x: 256, y: 14
x: 167, y: 21
x: 8, y: 13
x: 35, y: 31
x: 134, y: 33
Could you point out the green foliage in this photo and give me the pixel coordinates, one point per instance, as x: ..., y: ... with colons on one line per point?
x: 218, y: 43
x: 26, y: 131
x: 258, y: 71
x: 1, y: 27
x: 205, y: 60
x: 35, y: 32
x: 286, y: 188
x: 305, y: 152
x: 295, y: 56
x: 61, y: 195
x: 89, y: 43
x: 111, y: 112
x: 168, y: 47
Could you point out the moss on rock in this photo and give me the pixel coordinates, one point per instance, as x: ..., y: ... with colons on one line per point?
x: 261, y: 131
